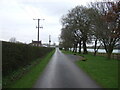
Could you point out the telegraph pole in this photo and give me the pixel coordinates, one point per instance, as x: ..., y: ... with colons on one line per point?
x: 38, y: 26
x: 49, y: 40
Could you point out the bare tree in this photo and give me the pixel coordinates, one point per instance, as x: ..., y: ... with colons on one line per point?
x: 109, y: 19
x: 12, y: 39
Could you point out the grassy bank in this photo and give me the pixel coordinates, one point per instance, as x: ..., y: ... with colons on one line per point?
x: 102, y: 70
x: 29, y: 78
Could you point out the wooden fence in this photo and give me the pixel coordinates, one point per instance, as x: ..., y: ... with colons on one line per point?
x: 113, y: 56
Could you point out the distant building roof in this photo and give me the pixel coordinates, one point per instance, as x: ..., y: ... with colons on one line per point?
x: 36, y: 43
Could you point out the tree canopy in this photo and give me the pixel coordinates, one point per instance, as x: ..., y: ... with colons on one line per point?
x: 98, y: 22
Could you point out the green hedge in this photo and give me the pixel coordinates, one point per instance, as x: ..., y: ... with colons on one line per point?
x: 15, y: 56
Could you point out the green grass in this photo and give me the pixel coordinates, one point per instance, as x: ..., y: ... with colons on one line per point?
x: 101, y: 69
x: 28, y: 80
x: 69, y: 52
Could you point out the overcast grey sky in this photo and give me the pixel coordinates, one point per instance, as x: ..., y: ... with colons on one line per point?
x: 16, y: 18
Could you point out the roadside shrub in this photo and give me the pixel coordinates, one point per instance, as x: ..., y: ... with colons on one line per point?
x: 15, y: 56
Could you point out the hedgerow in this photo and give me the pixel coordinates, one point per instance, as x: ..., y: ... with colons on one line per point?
x: 15, y: 56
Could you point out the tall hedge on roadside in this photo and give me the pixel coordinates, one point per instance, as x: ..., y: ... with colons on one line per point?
x: 15, y: 56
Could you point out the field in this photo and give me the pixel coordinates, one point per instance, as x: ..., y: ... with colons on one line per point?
x: 104, y: 71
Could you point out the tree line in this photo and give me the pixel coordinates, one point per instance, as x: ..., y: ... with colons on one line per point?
x: 99, y: 23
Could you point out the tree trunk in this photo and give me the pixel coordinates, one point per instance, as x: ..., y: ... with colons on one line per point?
x: 79, y: 46
x: 73, y: 49
x: 109, y: 55
x: 110, y: 50
x: 84, y: 47
x: 95, y: 51
x: 76, y: 47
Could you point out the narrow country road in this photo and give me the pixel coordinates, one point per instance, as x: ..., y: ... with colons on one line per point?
x: 61, y: 72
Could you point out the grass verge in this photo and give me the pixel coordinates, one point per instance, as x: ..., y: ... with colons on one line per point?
x: 28, y: 80
x: 102, y: 70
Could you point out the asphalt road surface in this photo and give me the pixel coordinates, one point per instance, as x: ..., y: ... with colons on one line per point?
x: 62, y: 72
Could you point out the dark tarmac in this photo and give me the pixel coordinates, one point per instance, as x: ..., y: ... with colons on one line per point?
x: 62, y: 72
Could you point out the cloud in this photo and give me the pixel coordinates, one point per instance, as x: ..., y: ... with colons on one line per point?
x: 16, y: 18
